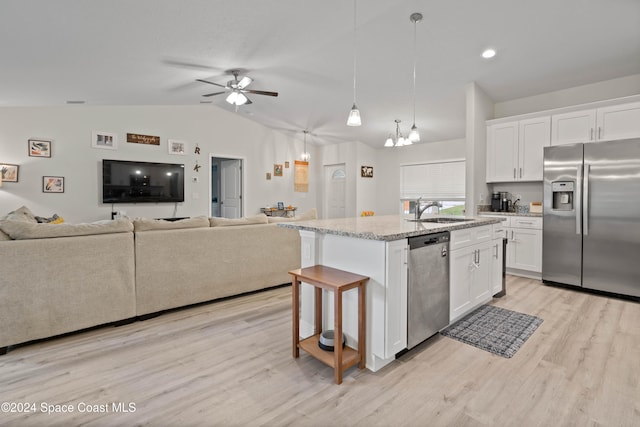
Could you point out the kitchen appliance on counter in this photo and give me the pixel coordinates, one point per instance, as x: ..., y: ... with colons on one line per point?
x: 428, y: 290
x: 496, y: 202
x: 591, y: 216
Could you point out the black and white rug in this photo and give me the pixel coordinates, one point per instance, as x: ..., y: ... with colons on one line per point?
x: 494, y: 329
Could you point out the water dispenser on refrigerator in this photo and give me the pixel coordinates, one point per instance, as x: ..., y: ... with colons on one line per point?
x: 563, y: 195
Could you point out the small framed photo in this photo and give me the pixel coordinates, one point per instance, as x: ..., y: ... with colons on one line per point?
x: 286, y: 165
x: 177, y: 147
x: 53, y: 184
x: 268, y: 176
x: 39, y: 148
x: 277, y: 170
x: 280, y: 205
x: 104, y: 140
x: 366, y: 171
x: 9, y: 172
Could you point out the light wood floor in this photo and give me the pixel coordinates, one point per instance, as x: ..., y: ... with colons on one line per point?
x: 230, y: 364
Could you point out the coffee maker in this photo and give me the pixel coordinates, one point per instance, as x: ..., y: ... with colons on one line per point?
x: 496, y: 202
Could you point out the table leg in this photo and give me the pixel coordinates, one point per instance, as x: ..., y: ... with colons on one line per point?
x: 337, y: 342
x: 295, y: 291
x: 362, y: 330
x: 318, y: 311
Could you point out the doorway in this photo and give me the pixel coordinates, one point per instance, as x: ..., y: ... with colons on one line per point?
x: 226, y: 187
x: 335, y: 194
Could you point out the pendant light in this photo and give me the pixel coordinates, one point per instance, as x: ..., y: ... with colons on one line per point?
x: 305, y: 155
x: 354, y: 114
x: 414, y: 135
x: 400, y: 140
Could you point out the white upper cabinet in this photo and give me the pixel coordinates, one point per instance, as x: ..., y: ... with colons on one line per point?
x: 605, y: 123
x: 515, y: 150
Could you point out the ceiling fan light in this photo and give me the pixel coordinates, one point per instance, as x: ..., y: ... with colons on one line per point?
x: 414, y: 135
x: 389, y: 142
x: 401, y: 141
x: 305, y: 156
x: 354, y: 117
x: 236, y: 98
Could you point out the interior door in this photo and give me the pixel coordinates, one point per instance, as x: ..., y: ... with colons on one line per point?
x: 231, y: 188
x: 335, y: 191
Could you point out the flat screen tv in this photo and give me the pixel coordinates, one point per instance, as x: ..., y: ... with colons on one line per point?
x: 142, y: 182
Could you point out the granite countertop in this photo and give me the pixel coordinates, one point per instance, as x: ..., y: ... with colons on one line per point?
x: 510, y: 214
x: 386, y: 227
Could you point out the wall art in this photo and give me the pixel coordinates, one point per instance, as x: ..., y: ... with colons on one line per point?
x: 177, y: 147
x: 277, y: 170
x: 136, y: 138
x: 104, y: 140
x: 9, y: 172
x: 53, y: 184
x: 366, y: 171
x: 39, y: 148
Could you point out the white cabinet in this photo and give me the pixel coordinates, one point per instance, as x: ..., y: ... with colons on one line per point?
x: 605, y: 123
x: 515, y: 149
x: 497, y: 256
x: 524, y: 247
x: 395, y: 324
x: 469, y: 270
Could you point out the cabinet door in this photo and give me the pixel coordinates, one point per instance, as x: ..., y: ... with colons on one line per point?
x: 460, y: 277
x: 569, y: 128
x: 534, y: 135
x: 619, y: 121
x: 395, y: 325
x: 496, y: 266
x: 481, y: 280
x: 502, y: 152
x: 525, y: 249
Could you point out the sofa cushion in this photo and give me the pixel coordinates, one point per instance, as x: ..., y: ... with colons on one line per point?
x: 4, y: 236
x: 248, y: 220
x: 20, y: 230
x: 310, y: 214
x: 144, y: 224
x: 21, y: 214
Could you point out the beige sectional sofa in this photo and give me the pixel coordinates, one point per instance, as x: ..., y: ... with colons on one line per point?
x: 61, y: 278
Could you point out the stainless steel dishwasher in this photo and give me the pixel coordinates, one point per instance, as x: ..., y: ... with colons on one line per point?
x: 428, y: 292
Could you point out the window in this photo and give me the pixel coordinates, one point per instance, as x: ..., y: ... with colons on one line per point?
x: 439, y: 181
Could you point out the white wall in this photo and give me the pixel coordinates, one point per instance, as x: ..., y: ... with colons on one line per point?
x: 216, y: 131
x: 479, y: 110
x: 609, y: 89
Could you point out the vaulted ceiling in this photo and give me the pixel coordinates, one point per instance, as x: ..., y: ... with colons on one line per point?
x: 150, y: 52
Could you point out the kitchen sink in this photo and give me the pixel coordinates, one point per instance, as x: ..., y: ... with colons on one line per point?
x: 441, y: 220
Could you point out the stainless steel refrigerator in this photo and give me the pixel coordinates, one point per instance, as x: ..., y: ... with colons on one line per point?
x: 591, y: 224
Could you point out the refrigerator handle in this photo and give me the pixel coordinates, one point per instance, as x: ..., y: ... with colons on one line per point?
x: 578, y: 201
x: 585, y: 199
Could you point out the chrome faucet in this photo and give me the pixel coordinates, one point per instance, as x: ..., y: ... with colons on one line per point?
x: 420, y: 208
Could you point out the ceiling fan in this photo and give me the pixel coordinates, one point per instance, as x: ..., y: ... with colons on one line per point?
x: 238, y: 88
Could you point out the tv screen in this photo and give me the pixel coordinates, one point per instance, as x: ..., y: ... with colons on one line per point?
x: 142, y: 182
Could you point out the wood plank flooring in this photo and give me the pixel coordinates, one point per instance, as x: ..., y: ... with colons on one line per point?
x: 229, y: 364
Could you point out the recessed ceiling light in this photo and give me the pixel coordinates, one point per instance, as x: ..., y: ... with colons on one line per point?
x: 489, y: 53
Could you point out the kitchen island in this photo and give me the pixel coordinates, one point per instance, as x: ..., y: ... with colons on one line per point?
x: 377, y: 247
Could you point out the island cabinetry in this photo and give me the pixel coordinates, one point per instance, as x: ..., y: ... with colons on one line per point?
x: 385, y: 263
x: 470, y: 270
x: 499, y: 233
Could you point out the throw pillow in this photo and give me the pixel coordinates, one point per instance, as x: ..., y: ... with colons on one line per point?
x: 225, y: 222
x: 21, y: 214
x: 144, y: 224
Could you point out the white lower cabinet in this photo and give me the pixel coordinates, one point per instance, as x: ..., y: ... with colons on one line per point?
x: 524, y: 247
x: 470, y: 265
x: 497, y: 256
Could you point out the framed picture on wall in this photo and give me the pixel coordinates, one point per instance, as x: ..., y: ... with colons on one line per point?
x: 177, y: 147
x: 277, y: 170
x: 39, y: 148
x: 366, y: 171
x: 104, y: 140
x: 53, y: 184
x: 9, y: 172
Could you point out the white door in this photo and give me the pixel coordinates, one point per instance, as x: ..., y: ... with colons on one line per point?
x: 231, y: 188
x: 460, y: 279
x: 335, y: 193
x: 525, y: 249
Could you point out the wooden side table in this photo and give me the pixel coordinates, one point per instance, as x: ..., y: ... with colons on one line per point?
x: 337, y: 281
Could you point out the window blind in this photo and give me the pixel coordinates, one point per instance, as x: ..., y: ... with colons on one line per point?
x: 433, y: 181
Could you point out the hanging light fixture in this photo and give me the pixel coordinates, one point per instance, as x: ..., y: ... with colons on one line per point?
x: 305, y: 155
x: 399, y: 140
x: 414, y: 135
x: 354, y: 114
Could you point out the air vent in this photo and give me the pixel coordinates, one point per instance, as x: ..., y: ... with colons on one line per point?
x: 75, y: 102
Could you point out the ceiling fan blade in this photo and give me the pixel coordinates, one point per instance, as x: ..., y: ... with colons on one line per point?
x: 244, y: 82
x: 214, y: 93
x: 260, y: 92
x: 211, y: 83
x: 248, y: 102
